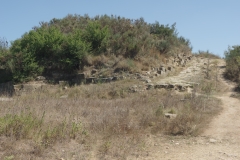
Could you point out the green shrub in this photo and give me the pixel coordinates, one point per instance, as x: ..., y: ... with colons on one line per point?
x: 162, y: 31
x: 4, y: 56
x: 74, y: 52
x: 63, y: 44
x: 46, y: 49
x: 97, y: 36
x: 232, y: 57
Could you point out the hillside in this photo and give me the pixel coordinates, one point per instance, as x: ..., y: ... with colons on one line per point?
x: 76, y: 43
x: 109, y: 87
x: 112, y: 120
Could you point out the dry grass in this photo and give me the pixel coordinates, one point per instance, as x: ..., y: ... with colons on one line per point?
x: 105, y: 121
x: 104, y: 113
x: 107, y: 65
x: 207, y: 55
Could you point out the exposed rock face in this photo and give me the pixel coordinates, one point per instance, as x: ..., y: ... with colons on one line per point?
x: 184, y: 81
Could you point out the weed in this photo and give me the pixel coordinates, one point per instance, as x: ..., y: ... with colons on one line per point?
x: 172, y: 111
x: 159, y: 111
x: 9, y: 157
x: 105, y: 147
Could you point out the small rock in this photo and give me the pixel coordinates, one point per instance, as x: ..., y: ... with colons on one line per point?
x: 64, y: 96
x: 212, y: 140
x: 148, y: 81
x: 40, y: 78
x: 170, y: 116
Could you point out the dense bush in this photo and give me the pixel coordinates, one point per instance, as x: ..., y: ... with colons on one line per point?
x: 5, y: 74
x: 232, y: 56
x: 96, y: 36
x: 46, y: 49
x: 3, y: 51
x: 64, y: 44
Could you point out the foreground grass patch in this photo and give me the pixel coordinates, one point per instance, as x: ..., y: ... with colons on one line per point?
x: 28, y: 126
x: 111, y: 125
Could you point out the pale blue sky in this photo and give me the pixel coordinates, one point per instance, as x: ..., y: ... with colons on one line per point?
x: 209, y: 24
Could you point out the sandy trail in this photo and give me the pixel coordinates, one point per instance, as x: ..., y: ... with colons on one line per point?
x: 220, y: 141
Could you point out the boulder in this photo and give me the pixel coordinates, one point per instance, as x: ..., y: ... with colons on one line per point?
x: 40, y: 78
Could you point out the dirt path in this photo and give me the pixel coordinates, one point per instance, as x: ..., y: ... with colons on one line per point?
x: 220, y: 141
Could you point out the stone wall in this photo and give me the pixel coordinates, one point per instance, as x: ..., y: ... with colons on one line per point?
x: 87, y: 78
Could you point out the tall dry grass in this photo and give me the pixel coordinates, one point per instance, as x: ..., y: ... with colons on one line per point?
x: 106, y: 118
x: 106, y: 121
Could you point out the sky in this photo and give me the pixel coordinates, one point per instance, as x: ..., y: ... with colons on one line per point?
x: 212, y: 25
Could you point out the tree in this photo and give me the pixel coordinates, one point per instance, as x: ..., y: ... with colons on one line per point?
x: 96, y: 36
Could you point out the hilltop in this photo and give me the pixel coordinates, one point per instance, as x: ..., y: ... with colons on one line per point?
x: 109, y: 87
x: 76, y: 43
